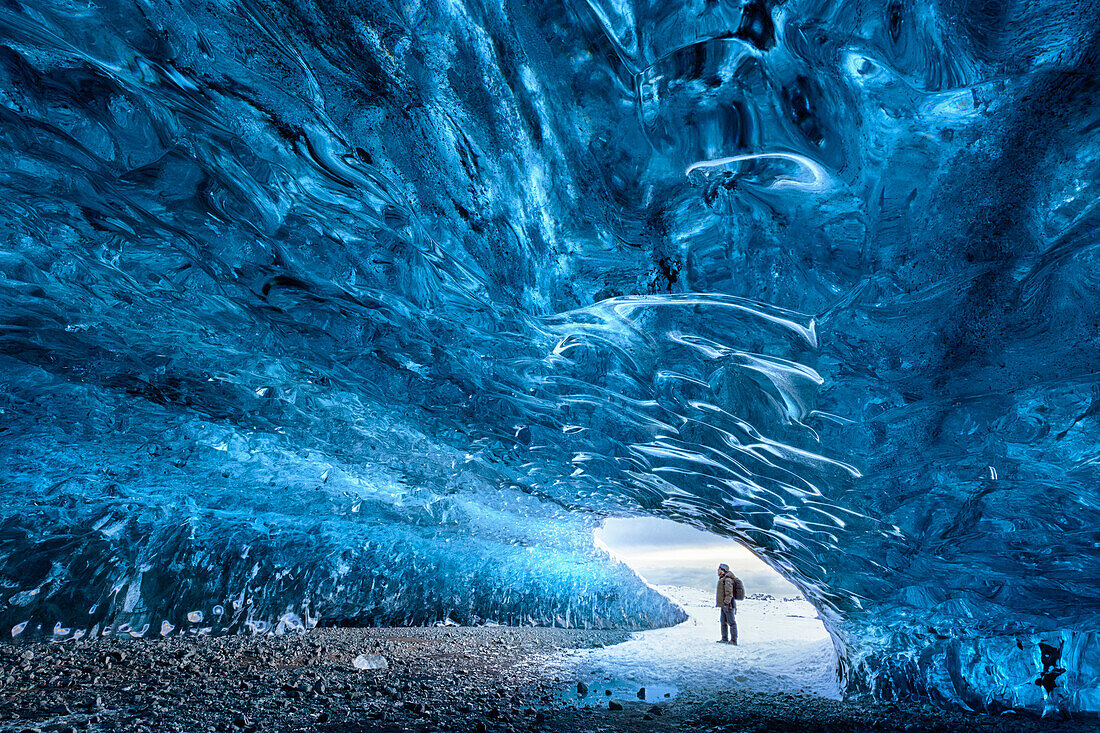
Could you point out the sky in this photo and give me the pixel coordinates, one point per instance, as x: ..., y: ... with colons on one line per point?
x: 666, y: 553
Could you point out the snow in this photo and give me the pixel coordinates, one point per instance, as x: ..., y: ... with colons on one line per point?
x: 782, y: 647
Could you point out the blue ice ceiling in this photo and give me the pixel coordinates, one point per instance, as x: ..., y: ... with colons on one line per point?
x: 368, y: 312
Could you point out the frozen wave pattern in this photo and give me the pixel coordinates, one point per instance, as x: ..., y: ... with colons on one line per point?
x: 331, y: 312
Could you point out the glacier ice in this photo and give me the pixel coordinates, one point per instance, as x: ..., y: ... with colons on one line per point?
x: 367, y: 313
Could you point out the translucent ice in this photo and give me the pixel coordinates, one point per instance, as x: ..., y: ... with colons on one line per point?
x: 368, y: 312
x: 370, y: 661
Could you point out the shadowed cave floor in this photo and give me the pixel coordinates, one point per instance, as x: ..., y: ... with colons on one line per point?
x: 440, y: 679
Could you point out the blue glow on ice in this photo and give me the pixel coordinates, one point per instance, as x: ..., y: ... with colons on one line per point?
x: 368, y: 312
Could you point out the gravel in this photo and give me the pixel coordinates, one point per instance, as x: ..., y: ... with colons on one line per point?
x: 498, y: 679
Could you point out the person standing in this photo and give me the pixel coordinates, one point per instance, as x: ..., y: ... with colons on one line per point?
x: 725, y: 599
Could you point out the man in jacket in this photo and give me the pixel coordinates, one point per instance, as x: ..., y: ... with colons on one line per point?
x: 724, y: 600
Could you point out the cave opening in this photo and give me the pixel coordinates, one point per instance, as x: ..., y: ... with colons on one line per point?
x: 782, y: 643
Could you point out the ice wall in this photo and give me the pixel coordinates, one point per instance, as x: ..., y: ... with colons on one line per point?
x: 366, y: 312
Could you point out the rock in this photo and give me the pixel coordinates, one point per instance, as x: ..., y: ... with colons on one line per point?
x: 322, y: 718
x: 370, y: 661
x: 655, y: 710
x: 582, y: 689
x: 641, y: 693
x: 614, y: 706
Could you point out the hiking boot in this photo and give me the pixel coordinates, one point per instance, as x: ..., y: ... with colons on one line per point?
x: 721, y: 641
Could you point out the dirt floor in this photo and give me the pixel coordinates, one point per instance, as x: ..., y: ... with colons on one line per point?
x: 440, y: 679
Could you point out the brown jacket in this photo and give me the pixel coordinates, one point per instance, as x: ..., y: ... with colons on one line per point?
x: 724, y: 594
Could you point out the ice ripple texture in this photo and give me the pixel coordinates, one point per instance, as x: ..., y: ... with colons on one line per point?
x: 367, y: 312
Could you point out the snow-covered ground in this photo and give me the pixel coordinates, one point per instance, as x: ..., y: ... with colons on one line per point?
x: 782, y: 647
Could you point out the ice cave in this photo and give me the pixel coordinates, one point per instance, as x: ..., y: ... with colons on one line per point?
x: 303, y: 302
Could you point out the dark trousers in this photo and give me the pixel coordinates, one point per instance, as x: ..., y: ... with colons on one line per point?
x: 729, y: 624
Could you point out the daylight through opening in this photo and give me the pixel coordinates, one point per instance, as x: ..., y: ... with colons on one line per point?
x: 782, y: 643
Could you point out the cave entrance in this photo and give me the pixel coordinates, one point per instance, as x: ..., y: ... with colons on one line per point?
x: 782, y: 644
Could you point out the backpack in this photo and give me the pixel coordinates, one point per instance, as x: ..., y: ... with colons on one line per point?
x: 738, y: 590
